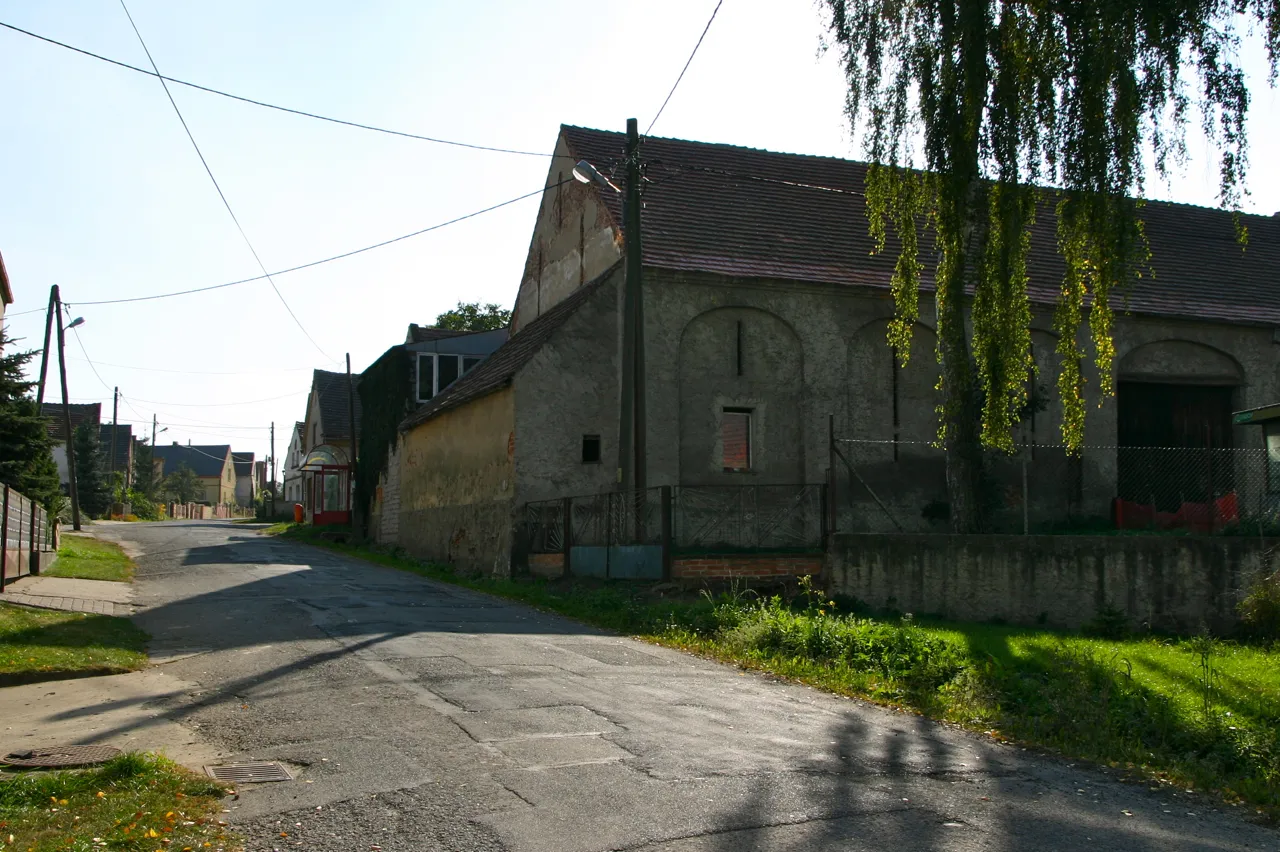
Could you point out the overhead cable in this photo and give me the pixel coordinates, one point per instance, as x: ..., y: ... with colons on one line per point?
x: 277, y: 107
x: 685, y: 68
x: 221, y: 195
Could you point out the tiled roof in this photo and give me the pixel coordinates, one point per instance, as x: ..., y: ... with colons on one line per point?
x: 124, y: 442
x: 335, y: 416
x: 243, y: 463
x: 204, y: 460
x: 6, y: 292
x: 427, y: 333
x: 52, y: 413
x: 496, y: 371
x: 752, y: 213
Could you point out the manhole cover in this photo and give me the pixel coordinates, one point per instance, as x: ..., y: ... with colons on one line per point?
x: 57, y: 756
x: 249, y: 773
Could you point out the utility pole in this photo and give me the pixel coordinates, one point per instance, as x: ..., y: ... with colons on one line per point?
x: 115, y: 415
x: 44, y: 353
x: 351, y: 473
x: 273, y: 468
x: 66, y: 413
x: 635, y: 265
x: 153, y: 434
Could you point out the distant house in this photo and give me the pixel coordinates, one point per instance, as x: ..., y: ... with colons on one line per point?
x: 246, y: 485
x: 427, y: 363
x: 293, y: 464
x: 90, y: 412
x: 327, y: 442
x: 211, y: 463
x: 123, y: 449
x: 6, y: 292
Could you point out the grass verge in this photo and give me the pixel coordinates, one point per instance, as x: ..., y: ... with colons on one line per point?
x: 37, y: 644
x: 1201, y: 713
x: 135, y: 802
x: 87, y: 558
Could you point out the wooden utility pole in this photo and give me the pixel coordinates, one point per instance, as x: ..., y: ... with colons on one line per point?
x: 635, y: 266
x: 44, y: 353
x: 66, y: 413
x: 356, y: 531
x: 273, y: 468
x: 115, y: 415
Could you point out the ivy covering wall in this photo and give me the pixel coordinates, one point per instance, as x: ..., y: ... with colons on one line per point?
x: 386, y: 395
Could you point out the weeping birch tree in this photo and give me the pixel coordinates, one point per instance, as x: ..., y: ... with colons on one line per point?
x: 980, y: 113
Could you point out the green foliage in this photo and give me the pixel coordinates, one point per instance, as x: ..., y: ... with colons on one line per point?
x: 85, y: 558
x: 471, y: 316
x: 92, y: 485
x: 1260, y: 609
x: 994, y: 98
x: 136, y: 801
x: 26, y: 452
x: 145, y: 481
x: 143, y: 506
x: 183, y: 486
x: 386, y: 395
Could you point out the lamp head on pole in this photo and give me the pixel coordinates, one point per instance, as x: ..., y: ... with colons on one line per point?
x: 584, y: 172
x: 75, y: 322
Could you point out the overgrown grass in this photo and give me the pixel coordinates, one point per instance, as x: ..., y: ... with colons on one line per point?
x: 1201, y: 713
x: 38, y: 644
x: 135, y: 802
x: 86, y: 558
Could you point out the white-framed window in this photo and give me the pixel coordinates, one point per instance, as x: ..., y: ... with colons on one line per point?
x: 437, y: 371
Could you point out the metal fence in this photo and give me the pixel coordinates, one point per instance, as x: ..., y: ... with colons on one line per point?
x: 684, y: 519
x: 29, y: 533
x: 748, y: 518
x: 883, y: 486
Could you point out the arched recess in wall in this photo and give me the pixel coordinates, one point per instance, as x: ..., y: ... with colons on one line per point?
x: 887, y: 401
x: 741, y: 380
x: 1176, y: 393
x: 1045, y: 425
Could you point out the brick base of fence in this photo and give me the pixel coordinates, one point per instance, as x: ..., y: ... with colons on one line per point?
x: 745, y: 565
x: 546, y: 564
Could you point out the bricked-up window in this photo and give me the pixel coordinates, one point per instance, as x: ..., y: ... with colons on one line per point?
x: 735, y: 435
x: 591, y: 449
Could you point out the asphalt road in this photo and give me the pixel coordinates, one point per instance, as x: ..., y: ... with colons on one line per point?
x: 418, y: 716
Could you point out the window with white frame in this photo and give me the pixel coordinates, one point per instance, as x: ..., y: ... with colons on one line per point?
x: 437, y: 371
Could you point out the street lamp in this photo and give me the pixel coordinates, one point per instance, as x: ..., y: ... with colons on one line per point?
x: 75, y: 322
x: 584, y: 172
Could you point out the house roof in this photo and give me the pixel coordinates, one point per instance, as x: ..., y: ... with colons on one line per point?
x: 753, y: 213
x: 496, y: 371
x: 335, y: 417
x: 204, y: 459
x: 427, y: 333
x: 124, y: 444
x: 6, y: 292
x: 52, y: 414
x: 243, y: 463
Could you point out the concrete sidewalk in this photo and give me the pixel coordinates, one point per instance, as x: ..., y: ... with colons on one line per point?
x: 94, y: 596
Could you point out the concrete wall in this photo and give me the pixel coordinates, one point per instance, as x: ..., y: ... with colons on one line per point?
x: 1164, y: 582
x: 569, y: 389
x: 456, y: 485
x: 574, y: 240
x: 385, y: 508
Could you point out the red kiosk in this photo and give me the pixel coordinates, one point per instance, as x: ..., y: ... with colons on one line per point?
x: 328, y: 489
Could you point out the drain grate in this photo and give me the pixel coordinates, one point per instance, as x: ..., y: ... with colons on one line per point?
x: 249, y: 773
x: 58, y: 756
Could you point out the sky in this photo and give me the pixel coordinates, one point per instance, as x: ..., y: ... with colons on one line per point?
x: 102, y: 194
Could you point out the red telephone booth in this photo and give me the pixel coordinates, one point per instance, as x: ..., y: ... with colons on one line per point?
x: 328, y: 486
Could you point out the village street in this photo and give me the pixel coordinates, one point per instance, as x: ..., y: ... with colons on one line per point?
x: 418, y: 716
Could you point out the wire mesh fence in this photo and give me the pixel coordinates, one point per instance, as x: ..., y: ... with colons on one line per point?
x: 885, y: 486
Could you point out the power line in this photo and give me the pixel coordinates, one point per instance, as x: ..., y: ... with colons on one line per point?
x: 92, y: 366
x: 342, y: 256
x: 205, y: 372
x: 221, y: 195
x: 685, y: 68
x: 277, y: 107
x: 223, y: 404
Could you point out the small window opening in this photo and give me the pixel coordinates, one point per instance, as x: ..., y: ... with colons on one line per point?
x: 735, y: 435
x: 468, y: 363
x: 426, y: 377
x: 591, y: 449
x: 447, y: 371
